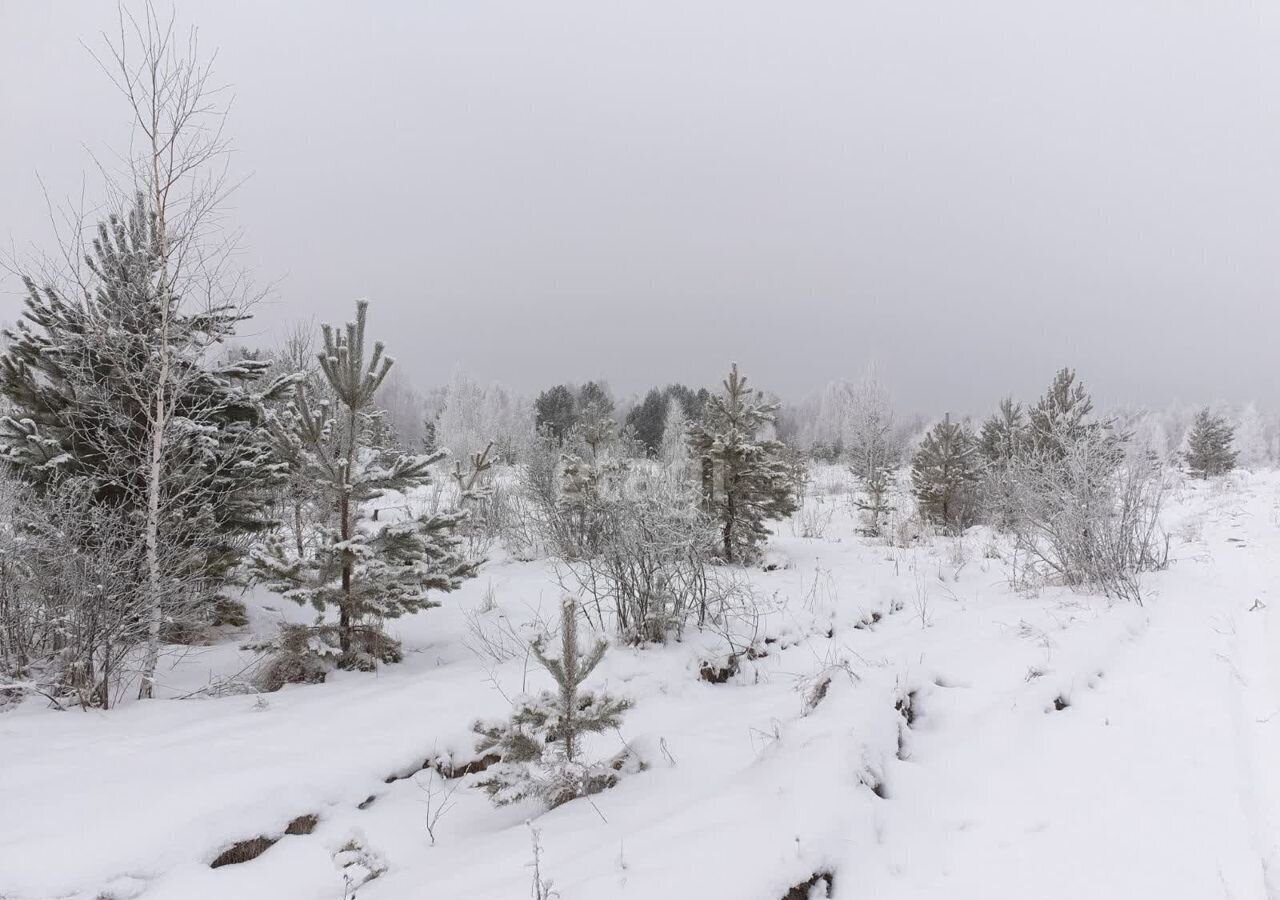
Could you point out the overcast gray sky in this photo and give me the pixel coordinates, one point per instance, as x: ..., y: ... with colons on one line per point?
x: 970, y: 194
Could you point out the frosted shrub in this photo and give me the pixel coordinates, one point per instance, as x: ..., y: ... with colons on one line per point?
x: 298, y: 654
x: 813, y: 518
x: 1087, y: 516
x: 738, y: 613
x: 70, y: 617
x: 648, y: 572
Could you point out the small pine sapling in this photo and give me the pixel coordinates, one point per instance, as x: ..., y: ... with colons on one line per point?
x: 1004, y: 435
x: 298, y: 654
x: 369, y: 570
x: 1209, y: 446
x: 540, y: 744
x: 873, y: 501
x: 747, y: 478
x: 945, y: 473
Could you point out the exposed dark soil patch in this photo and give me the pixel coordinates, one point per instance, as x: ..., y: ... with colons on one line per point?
x: 1060, y: 703
x: 714, y: 674
x: 906, y: 707
x: 446, y: 768
x: 404, y: 773
x: 876, y: 783
x: 805, y: 889
x: 869, y: 621
x: 303, y: 824
x: 817, y: 693
x: 471, y: 767
x: 243, y: 851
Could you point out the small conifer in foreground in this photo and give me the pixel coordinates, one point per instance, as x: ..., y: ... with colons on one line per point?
x: 541, y: 744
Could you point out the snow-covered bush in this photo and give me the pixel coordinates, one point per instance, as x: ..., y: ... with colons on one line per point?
x: 635, y: 546
x: 1087, y: 515
x: 298, y: 654
x: 590, y: 489
x: 564, y: 489
x: 814, y: 516
x: 627, y: 534
x: 70, y: 617
x: 541, y: 743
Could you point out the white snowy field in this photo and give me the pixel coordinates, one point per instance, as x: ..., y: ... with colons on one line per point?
x: 974, y: 741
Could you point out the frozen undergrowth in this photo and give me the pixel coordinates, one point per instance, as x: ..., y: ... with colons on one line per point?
x: 914, y: 726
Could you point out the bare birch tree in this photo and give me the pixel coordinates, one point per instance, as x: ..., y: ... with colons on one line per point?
x: 112, y: 373
x: 178, y: 162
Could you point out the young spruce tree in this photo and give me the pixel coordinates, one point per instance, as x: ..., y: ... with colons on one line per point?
x: 1209, y: 446
x: 873, y: 452
x: 746, y: 480
x: 945, y: 474
x: 367, y: 569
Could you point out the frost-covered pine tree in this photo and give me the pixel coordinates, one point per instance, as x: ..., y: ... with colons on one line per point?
x: 368, y: 570
x: 745, y: 481
x: 595, y: 406
x: 1209, y: 445
x: 557, y: 412
x: 945, y: 473
x: 1004, y: 435
x: 869, y: 429
x: 90, y: 379
x: 1063, y: 416
x: 873, y: 451
x: 541, y: 743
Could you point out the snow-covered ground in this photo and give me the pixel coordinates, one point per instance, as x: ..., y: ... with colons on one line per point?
x: 974, y: 741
